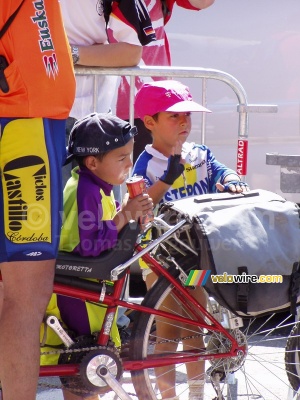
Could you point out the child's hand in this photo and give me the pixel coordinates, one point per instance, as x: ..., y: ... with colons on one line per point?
x: 173, y: 171
x: 175, y: 165
x: 137, y: 207
x: 233, y: 187
x: 177, y: 149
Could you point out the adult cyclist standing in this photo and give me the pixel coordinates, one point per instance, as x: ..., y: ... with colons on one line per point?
x: 37, y: 89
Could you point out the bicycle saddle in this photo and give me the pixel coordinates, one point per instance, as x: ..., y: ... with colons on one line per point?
x: 101, y: 266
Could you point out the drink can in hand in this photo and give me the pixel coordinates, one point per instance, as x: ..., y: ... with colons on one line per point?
x: 136, y: 185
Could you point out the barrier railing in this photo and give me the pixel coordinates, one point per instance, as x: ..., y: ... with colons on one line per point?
x: 289, y: 171
x: 243, y: 108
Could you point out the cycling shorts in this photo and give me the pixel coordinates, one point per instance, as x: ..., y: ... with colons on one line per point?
x: 32, y: 152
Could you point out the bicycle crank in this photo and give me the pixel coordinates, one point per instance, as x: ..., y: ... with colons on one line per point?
x: 99, y: 372
x: 102, y: 368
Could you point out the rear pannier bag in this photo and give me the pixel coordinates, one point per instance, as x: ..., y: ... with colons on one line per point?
x: 242, y: 238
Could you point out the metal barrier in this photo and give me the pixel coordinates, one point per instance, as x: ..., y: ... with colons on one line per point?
x: 243, y: 108
x: 289, y: 171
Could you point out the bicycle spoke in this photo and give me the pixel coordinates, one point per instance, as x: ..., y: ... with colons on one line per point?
x: 257, y: 374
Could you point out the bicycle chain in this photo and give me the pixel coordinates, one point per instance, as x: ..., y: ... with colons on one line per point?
x: 67, y: 351
x: 63, y: 351
x: 177, y: 340
x: 87, y: 349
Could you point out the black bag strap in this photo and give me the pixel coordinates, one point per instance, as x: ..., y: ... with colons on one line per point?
x: 294, y: 287
x: 138, y: 17
x: 164, y: 8
x: 242, y: 293
x: 10, y: 20
x: 107, y: 10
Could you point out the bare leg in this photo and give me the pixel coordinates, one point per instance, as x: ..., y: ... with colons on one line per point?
x: 166, y: 376
x: 1, y: 296
x: 27, y: 287
x: 195, y: 371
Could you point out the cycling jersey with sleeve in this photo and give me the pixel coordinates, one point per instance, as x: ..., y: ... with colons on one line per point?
x: 201, y: 171
x: 40, y: 71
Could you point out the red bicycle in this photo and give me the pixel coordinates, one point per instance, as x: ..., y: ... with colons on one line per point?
x: 248, y: 361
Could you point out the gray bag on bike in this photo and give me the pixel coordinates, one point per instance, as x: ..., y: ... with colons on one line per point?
x: 243, y: 238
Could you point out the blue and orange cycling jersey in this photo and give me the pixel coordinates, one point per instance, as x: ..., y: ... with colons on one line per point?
x: 40, y: 73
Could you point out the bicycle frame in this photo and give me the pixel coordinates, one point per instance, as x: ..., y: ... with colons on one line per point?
x: 202, y: 318
x: 241, y: 360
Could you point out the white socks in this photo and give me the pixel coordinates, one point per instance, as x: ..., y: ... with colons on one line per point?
x: 172, y: 398
x: 196, y: 388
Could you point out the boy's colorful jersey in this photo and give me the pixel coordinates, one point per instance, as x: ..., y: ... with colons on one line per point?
x: 201, y: 171
x: 40, y: 71
x: 89, y: 207
x: 88, y: 229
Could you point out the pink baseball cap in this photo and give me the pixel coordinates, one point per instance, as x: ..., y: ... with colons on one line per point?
x: 167, y: 95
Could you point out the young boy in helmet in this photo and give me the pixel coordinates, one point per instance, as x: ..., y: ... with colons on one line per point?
x: 102, y: 145
x: 173, y: 169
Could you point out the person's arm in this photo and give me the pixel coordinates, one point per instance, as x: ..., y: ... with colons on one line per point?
x: 220, y: 177
x: 120, y: 54
x: 133, y: 209
x: 129, y: 28
x: 231, y: 177
x: 232, y: 183
x: 157, y: 191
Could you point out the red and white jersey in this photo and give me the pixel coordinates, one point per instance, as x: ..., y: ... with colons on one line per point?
x: 85, y: 25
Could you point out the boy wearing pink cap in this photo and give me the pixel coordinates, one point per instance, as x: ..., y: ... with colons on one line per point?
x: 174, y: 169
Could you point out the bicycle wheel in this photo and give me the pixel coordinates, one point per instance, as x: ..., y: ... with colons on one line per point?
x: 292, y: 358
x: 257, y: 374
